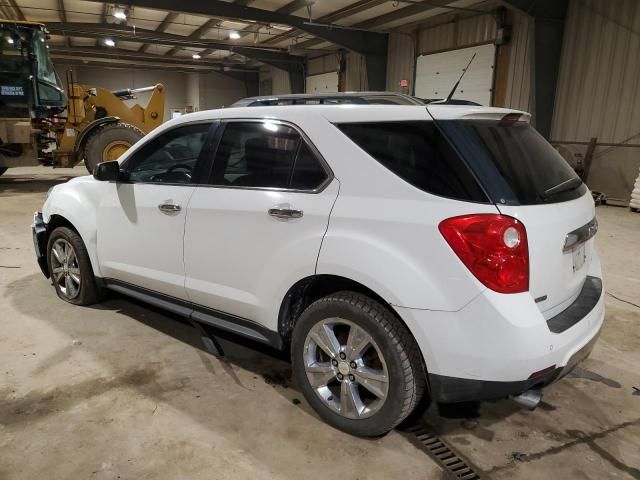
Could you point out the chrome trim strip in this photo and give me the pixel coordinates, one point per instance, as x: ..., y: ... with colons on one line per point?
x: 580, y: 235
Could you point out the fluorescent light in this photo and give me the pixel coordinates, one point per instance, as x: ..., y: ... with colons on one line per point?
x: 233, y: 35
x: 196, y: 56
x: 120, y: 14
x: 10, y: 40
x: 109, y: 42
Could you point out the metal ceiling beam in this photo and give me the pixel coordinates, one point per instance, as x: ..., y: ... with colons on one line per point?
x: 395, y: 15
x: 118, y: 54
x: 62, y: 13
x: 168, y: 20
x: 286, y: 10
x: 17, y: 9
x: 97, y: 30
x: 344, y: 12
x: 198, y: 32
x: 359, y: 41
x: 278, y: 58
x: 548, y: 18
x: 372, y: 45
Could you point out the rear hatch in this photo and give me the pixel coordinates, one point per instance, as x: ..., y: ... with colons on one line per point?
x: 527, y: 179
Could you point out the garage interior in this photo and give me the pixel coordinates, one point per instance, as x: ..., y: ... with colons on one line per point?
x: 120, y: 390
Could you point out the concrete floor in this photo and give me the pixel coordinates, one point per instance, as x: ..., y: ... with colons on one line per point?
x: 121, y: 391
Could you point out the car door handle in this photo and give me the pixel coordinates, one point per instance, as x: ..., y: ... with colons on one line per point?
x: 169, y: 208
x: 285, y: 213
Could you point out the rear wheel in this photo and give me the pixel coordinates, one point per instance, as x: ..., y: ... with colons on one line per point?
x: 3, y: 169
x: 70, y: 268
x: 357, y: 364
x: 108, y: 142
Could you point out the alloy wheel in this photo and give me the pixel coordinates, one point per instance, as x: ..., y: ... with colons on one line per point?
x: 346, y: 368
x: 65, y: 269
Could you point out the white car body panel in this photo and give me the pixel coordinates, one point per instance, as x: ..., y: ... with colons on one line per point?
x: 242, y: 261
x: 137, y: 243
x: 77, y: 201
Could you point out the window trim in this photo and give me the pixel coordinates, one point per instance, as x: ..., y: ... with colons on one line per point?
x: 202, y: 163
x: 314, y: 150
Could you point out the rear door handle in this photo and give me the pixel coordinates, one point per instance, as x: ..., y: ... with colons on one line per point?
x: 169, y: 208
x: 285, y: 213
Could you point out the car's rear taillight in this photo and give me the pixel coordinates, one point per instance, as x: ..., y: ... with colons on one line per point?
x: 493, y: 247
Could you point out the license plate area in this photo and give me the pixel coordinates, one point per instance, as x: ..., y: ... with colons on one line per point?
x: 578, y: 257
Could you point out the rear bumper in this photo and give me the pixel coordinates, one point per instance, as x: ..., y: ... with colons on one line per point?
x: 492, y: 347
x: 451, y: 390
x: 39, y: 233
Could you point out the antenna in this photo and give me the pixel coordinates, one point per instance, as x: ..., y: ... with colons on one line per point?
x: 455, y: 87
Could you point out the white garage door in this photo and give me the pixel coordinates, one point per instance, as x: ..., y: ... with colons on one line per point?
x: 323, y: 83
x: 436, y: 74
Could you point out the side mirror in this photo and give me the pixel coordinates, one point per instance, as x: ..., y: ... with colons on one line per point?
x: 107, y: 171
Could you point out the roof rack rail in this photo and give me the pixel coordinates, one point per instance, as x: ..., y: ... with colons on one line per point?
x: 360, y: 98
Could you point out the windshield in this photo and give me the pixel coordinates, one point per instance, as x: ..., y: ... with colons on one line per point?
x: 514, y: 162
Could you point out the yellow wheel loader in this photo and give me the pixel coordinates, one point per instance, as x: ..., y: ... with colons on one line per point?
x: 100, y: 126
x: 37, y: 123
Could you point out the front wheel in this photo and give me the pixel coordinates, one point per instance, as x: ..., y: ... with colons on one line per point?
x: 357, y: 364
x: 70, y: 268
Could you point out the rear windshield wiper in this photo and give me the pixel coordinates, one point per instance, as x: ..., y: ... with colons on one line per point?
x: 565, y: 186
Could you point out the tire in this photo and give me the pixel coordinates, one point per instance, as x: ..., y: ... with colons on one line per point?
x: 375, y: 414
x: 3, y: 169
x: 78, y: 266
x: 107, y: 140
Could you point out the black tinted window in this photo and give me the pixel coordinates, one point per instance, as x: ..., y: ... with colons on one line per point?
x: 308, y: 174
x: 514, y: 162
x: 256, y: 154
x: 170, y: 158
x: 419, y: 154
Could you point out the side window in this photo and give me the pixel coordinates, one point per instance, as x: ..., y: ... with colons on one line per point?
x: 418, y: 153
x: 263, y: 154
x: 170, y: 158
x: 308, y: 174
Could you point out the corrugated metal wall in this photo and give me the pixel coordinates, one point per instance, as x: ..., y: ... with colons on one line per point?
x: 401, y: 60
x: 279, y: 78
x: 356, y: 73
x: 598, y: 91
x: 462, y: 33
x: 323, y: 64
x: 518, y: 81
x: 454, y: 34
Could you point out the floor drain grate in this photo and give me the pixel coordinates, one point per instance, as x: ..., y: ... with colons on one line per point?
x: 442, y: 453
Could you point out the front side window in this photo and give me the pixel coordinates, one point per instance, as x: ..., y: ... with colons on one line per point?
x: 265, y: 155
x: 169, y: 158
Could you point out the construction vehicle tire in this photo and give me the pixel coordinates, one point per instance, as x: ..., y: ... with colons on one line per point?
x: 108, y: 142
x: 3, y: 169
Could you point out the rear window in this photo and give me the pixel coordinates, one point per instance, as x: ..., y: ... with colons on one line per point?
x: 514, y: 162
x: 418, y: 153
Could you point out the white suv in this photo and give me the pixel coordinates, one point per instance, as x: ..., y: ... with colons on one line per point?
x: 397, y: 251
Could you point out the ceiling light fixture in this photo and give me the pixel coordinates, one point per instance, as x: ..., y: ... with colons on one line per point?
x: 233, y: 35
x: 196, y: 56
x: 109, y: 42
x: 119, y: 13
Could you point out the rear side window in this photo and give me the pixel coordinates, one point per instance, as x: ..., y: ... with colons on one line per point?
x: 418, y: 153
x: 265, y: 155
x: 514, y: 162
